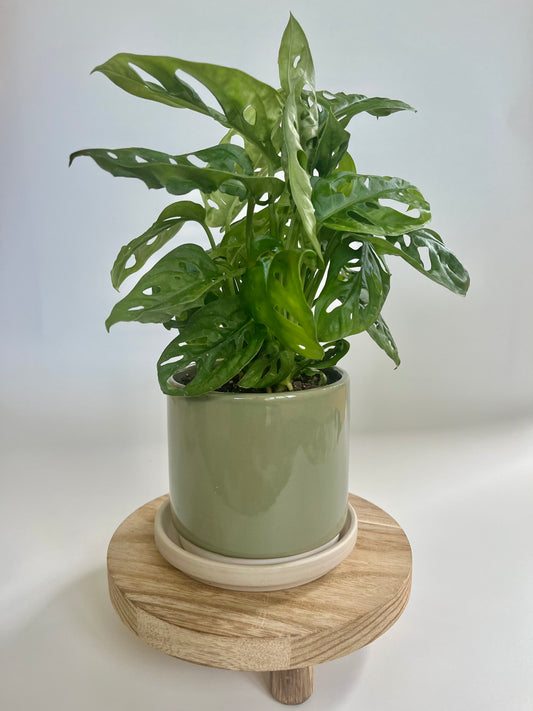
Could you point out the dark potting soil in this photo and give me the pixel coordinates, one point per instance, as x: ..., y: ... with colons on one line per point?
x: 303, y: 382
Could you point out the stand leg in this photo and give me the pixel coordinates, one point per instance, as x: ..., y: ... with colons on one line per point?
x: 292, y: 686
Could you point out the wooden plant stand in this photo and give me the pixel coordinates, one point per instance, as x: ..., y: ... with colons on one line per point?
x: 285, y: 632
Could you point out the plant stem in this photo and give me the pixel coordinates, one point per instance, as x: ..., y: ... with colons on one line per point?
x: 250, y: 230
x: 209, y: 236
x: 291, y: 241
x: 272, y: 219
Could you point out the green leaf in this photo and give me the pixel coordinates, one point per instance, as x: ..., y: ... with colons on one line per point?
x: 346, y: 106
x: 358, y: 281
x: 332, y: 144
x: 350, y: 202
x: 273, y: 292
x: 294, y: 58
x: 167, y: 225
x: 441, y: 265
x: 178, y: 175
x: 234, y: 90
x: 299, y: 181
x: 380, y: 334
x: 221, y: 339
x: 180, y: 278
x: 297, y: 77
x: 346, y: 163
x: 299, y: 122
x: 333, y: 352
x: 271, y: 366
x: 233, y: 244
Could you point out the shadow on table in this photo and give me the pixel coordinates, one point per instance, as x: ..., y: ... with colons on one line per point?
x: 75, y: 653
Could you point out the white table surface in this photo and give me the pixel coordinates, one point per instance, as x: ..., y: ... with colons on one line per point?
x: 465, y: 641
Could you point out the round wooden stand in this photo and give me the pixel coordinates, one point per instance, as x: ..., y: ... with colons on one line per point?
x: 285, y: 632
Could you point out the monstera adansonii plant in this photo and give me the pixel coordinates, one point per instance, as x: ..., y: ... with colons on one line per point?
x: 299, y: 240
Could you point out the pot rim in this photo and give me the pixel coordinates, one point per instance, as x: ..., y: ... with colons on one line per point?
x: 289, y: 395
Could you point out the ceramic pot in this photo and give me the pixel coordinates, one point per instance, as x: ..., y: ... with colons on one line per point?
x: 260, y: 475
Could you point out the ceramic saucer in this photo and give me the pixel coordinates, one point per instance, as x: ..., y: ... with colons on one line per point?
x: 253, y: 576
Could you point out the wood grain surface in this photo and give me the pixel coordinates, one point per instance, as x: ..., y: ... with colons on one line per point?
x: 292, y: 686
x: 268, y: 631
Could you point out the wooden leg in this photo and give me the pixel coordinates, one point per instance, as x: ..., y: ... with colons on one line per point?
x: 292, y: 686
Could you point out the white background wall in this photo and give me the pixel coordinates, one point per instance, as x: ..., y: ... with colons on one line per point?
x: 466, y: 67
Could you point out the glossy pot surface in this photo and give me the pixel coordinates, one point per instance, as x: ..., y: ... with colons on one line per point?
x: 260, y: 475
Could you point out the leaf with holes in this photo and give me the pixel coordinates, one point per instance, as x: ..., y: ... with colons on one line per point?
x: 273, y: 292
x: 272, y: 365
x: 333, y: 352
x: 359, y: 283
x: 221, y: 339
x: 380, y: 334
x: 140, y: 249
x: 331, y: 145
x: 178, y: 175
x: 350, y: 202
x: 233, y: 246
x: 299, y: 122
x: 234, y: 90
x: 179, y: 279
x: 346, y: 106
x: 295, y: 159
x: 297, y: 77
x: 221, y: 209
x: 440, y: 264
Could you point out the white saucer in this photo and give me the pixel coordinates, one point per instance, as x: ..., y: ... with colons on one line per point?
x: 203, y: 553
x: 260, y: 576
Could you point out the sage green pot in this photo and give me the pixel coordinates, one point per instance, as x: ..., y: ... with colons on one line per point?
x: 260, y: 475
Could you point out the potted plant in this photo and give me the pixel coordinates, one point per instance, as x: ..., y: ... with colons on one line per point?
x: 297, y: 263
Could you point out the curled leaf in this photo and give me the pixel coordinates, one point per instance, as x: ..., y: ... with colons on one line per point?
x: 179, y: 175
x: 182, y: 277
x: 350, y: 202
x: 273, y: 293
x: 220, y: 339
x: 140, y: 249
x: 354, y: 293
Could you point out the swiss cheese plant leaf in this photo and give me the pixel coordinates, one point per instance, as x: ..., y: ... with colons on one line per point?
x: 140, y: 249
x: 234, y: 90
x: 331, y: 145
x: 295, y: 161
x: 299, y: 122
x: 272, y: 365
x: 179, y: 175
x: 181, y: 277
x: 221, y: 338
x: 333, y: 352
x: 425, y: 251
x: 346, y: 106
x: 297, y: 77
x: 346, y: 163
x: 273, y: 293
x: 233, y: 245
x: 221, y: 209
x: 380, y: 334
x: 354, y: 293
x: 352, y: 202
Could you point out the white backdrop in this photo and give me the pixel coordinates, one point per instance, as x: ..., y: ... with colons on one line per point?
x: 466, y: 67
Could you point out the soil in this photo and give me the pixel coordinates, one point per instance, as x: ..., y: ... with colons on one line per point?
x: 303, y: 382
